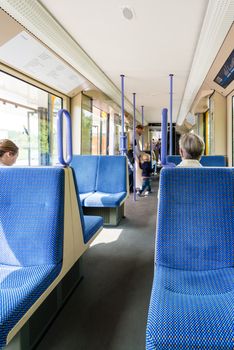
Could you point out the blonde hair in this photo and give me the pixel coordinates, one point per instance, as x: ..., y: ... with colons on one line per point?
x: 8, y: 146
x: 145, y: 157
x: 193, y: 145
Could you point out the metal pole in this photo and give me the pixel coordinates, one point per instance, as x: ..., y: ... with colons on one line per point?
x: 122, y: 136
x: 164, y: 137
x: 142, y: 138
x: 133, y: 146
x: 171, y: 97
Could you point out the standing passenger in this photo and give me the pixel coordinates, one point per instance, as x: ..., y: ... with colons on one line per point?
x: 139, y: 133
x: 145, y: 165
x: 191, y: 149
x: 8, y: 152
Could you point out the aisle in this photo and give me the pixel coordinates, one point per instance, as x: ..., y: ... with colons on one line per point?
x: 108, y: 310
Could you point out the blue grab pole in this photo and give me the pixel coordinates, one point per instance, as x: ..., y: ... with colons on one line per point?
x: 133, y: 145
x: 142, y: 116
x: 60, y: 115
x: 171, y: 101
x: 164, y: 137
x: 123, y: 137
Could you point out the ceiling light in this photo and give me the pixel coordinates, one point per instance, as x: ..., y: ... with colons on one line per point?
x: 128, y: 13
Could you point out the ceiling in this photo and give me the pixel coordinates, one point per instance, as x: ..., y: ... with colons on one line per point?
x: 159, y: 40
x: 201, y: 102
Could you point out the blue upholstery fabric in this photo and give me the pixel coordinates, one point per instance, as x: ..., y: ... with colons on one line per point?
x: 215, y: 161
x: 31, y: 238
x: 101, y: 199
x: 191, y: 310
x: 219, y: 161
x: 20, y: 287
x: 92, y: 225
x: 83, y: 196
x: 31, y: 216
x: 111, y: 176
x: 195, y: 218
x: 85, y: 168
x: 192, y: 300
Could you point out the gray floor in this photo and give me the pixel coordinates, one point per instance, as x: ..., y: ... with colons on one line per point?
x: 108, y: 310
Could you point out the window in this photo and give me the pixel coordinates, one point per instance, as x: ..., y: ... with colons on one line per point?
x: 95, y: 126
x: 27, y: 117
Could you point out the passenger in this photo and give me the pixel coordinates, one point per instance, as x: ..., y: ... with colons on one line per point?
x: 145, y: 165
x: 191, y: 149
x: 139, y: 133
x: 8, y: 152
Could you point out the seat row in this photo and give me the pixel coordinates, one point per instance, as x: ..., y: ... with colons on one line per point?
x: 192, y: 299
x: 103, y: 185
x: 43, y: 233
x: 214, y: 161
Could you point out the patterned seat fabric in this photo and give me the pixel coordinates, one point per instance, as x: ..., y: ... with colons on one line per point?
x: 215, y: 161
x: 192, y: 300
x: 31, y: 238
x: 101, y: 180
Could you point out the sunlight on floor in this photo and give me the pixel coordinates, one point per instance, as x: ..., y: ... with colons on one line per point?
x: 107, y: 235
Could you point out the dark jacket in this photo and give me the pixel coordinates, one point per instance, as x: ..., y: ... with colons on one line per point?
x: 146, y: 169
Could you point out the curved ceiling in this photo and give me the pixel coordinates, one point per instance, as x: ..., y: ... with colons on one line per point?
x: 159, y: 40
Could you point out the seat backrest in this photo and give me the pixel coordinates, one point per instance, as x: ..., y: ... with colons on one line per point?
x: 112, y: 174
x: 195, y: 218
x: 174, y: 159
x: 219, y: 161
x: 215, y: 161
x: 85, y: 168
x: 31, y: 215
x: 77, y: 188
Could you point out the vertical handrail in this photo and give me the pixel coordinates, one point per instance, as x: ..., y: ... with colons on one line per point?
x: 171, y: 101
x: 61, y: 159
x: 164, y: 137
x: 123, y: 137
x: 134, y: 146
x: 142, y: 122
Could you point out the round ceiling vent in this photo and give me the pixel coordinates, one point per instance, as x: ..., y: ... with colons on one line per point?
x: 127, y: 13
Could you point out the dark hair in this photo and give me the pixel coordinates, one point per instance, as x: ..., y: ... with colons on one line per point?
x: 8, y: 146
x: 139, y: 126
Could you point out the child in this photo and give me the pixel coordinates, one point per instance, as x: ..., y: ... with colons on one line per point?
x: 145, y: 165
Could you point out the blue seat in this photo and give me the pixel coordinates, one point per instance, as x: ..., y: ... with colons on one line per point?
x: 102, y: 199
x: 214, y: 161
x: 85, y: 168
x: 90, y: 224
x: 31, y: 238
x: 111, y: 184
x: 192, y: 299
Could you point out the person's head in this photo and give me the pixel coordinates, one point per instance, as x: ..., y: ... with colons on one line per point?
x: 145, y: 157
x: 139, y: 129
x: 191, y: 146
x: 8, y: 152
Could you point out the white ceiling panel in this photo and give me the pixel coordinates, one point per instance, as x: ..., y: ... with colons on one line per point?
x: 159, y: 40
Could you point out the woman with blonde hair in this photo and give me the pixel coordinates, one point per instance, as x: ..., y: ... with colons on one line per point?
x: 8, y: 152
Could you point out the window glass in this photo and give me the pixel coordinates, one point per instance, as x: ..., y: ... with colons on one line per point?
x: 27, y: 117
x: 94, y: 139
x: 86, y: 125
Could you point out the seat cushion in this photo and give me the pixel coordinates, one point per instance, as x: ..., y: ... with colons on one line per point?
x: 92, y: 225
x: 83, y: 196
x: 191, y: 309
x: 102, y: 199
x: 20, y: 287
x: 85, y: 169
